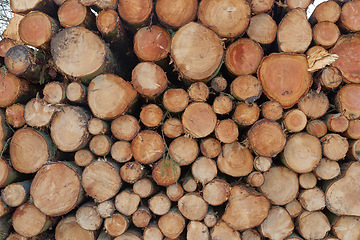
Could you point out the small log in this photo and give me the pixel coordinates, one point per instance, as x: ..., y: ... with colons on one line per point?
x: 137, y: 13
x: 334, y: 146
x: 125, y: 127
x: 272, y: 110
x: 102, y: 4
x: 223, y: 231
x: 218, y: 84
x: 246, y: 114
x: 353, y: 131
x: 336, y: 122
x: 258, y: 7
x: 141, y: 217
x: 14, y: 115
x: 349, y: 16
x: 262, y: 29
x: 68, y: 228
x: 5, y: 45
x: 37, y: 29
x: 72, y: 13
x: 199, y: 120
x: 144, y: 188
x: 38, y: 113
x: 160, y: 204
x: 7, y: 174
x: 266, y: 138
x: 152, y: 43
x: 294, y: 208
x: 327, y: 11
x: 243, y: 57
x: 88, y: 217
x: 101, y: 180
x: 54, y: 92
x: 106, y: 209
x: 30, y: 150
x: 226, y: 131
x: 149, y: 79
x: 203, y: 47
x: 174, y: 192
x: 197, y: 231
x: 193, y: 207
x: 246, y: 88
x: 131, y: 172
x: 277, y: 225
x: 216, y: 192
x: 172, y: 224
x: 222, y: 105
x: 83, y: 157
x: 189, y: 184
x: 231, y: 18
x: 316, y: 128
x: 166, y: 172
x: 314, y: 104
x: 294, y: 120
x: 179, y: 14
x: 16, y: 194
x: 346, y: 101
x: 276, y: 177
x: 116, y: 225
x: 312, y: 199
x: 69, y: 138
x: 210, y: 147
x: 172, y: 128
x: 302, y: 152
x: 245, y: 209
x: 97, y: 126
x: 307, y: 180
x: 76, y: 92
x: 313, y: 225
x: 330, y: 77
x: 292, y: 69
x: 204, y: 170
x: 175, y: 100
x: 326, y: 34
x: 109, y: 24
x: 235, y: 160
x: 354, y: 150
x: 255, y: 179
x: 347, y: 227
x: 198, y: 92
x: 100, y: 145
x: 152, y: 232
x: 262, y: 163
x: 151, y: 115
x: 126, y: 202
x: 56, y: 189
x: 294, y: 32
x: 327, y: 169
x: 147, y: 147
x: 211, y: 218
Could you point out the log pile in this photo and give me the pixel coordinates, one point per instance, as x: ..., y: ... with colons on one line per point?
x: 180, y: 119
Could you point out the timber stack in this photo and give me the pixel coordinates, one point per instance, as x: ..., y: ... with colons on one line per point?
x: 180, y: 119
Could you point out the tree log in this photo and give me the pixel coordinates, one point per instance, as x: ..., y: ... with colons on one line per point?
x: 277, y: 225
x: 68, y: 228
x: 126, y: 202
x: 262, y: 28
x: 147, y: 147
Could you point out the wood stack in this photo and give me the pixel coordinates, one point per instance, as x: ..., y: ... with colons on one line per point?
x: 180, y: 119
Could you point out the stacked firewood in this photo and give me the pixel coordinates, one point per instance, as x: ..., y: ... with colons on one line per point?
x: 180, y: 119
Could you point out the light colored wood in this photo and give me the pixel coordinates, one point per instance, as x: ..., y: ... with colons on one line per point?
x: 100, y: 145
x: 141, y: 217
x: 294, y: 120
x: 255, y: 179
x: 346, y: 101
x: 125, y: 127
x: 5, y: 45
x: 172, y: 224
x: 144, y: 187
x: 327, y: 169
x: 179, y: 14
x: 151, y: 115
x: 226, y: 131
x: 16, y: 194
x: 272, y: 110
x: 103, y: 4
x: 246, y: 114
x: 54, y: 92
x: 76, y: 92
x: 7, y: 173
x: 38, y: 113
x: 14, y: 115
x: 147, y: 147
x: 88, y: 217
x: 262, y: 28
x: 189, y: 184
x: 97, y: 126
x: 326, y: 34
x: 250, y: 234
x: 258, y: 7
x: 262, y: 163
x: 216, y: 192
x: 313, y: 225
x: 353, y: 131
x: 197, y: 231
x: 132, y: 171
x: 198, y: 92
x: 204, y: 169
x: 72, y: 13
x: 126, y: 202
x: 116, y: 225
x: 175, y: 99
x: 223, y: 231
x: 316, y: 128
x: 193, y: 207
x: 337, y: 122
x: 327, y: 11
x: 330, y: 77
x: 246, y: 88
x: 68, y: 228
x: 211, y: 218
x: 347, y: 227
x: 307, y: 180
x: 106, y: 208
x: 160, y: 204
x: 11, y: 30
x: 136, y: 12
x: 222, y: 104
x: 349, y: 16
x: 174, y: 192
x: 312, y: 199
x: 277, y: 225
x: 353, y: 152
x: 172, y: 128
x: 293, y: 4
x: 152, y: 232
x: 334, y: 146
x: 83, y: 157
x: 294, y: 208
x: 210, y: 147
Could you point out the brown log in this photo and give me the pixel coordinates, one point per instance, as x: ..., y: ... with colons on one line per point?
x: 152, y: 43
x: 56, y: 189
x: 347, y: 227
x: 266, y: 138
x: 327, y: 11
x: 246, y: 208
x: 136, y: 13
x: 204, y: 170
x: 125, y: 127
x: 330, y: 77
x: 30, y: 149
x: 197, y: 231
x: 203, y: 47
x: 152, y: 232
x: 166, y: 172
x: 141, y: 217
x: 291, y: 40
x: 175, y: 100
x: 346, y: 100
x: 211, y: 218
x: 327, y: 169
x: 97, y: 126
x: 16, y: 194
x: 121, y: 151
x: 210, y: 147
x: 250, y: 234
x: 5, y: 45
x: 246, y: 114
x: 353, y: 131
x: 218, y: 84
x: 129, y: 235
x: 262, y: 29
x: 172, y: 128
x: 216, y: 192
x: 116, y: 225
x: 334, y: 146
x: 258, y: 7
x: 294, y: 208
x: 294, y: 120
x: 11, y: 30
x: 189, y: 184
x: 83, y: 157
x: 255, y: 179
x: 312, y: 199
x: 101, y: 180
x: 276, y: 177
x: 149, y: 79
x: 272, y: 110
x: 223, y: 231
x: 246, y: 88
x: 69, y: 138
x: 126, y: 202
x: 231, y: 18
x: 317, y: 128
x: 235, y: 160
x: 193, y: 207
x: 314, y: 104
x: 160, y: 204
x: 131, y: 172
x: 326, y: 34
x: 109, y: 24
x: 198, y: 92
x: 144, y: 187
x: 88, y: 217
x: 151, y: 115
x: 337, y: 122
x: 7, y: 174
x: 179, y: 14
x: 172, y: 224
x: 313, y: 225
x: 222, y: 104
x: 226, y: 131
x: 307, y: 180
x: 347, y: 48
x: 23, y: 6
x: 106, y: 208
x: 293, y: 4
x: 38, y: 113
x: 174, y: 192
x: 199, y: 120
x: 68, y: 228
x: 277, y: 225
x: 16, y: 236
x: 354, y: 150
x: 262, y: 163
x: 73, y: 13
x: 147, y: 147
x: 76, y: 92
x: 349, y: 16
x: 54, y: 92
x: 103, y: 4
x: 302, y: 152
x: 295, y: 80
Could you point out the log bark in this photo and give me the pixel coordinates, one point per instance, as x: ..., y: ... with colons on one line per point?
x: 68, y: 228
x: 353, y: 152
x: 147, y: 147
x: 24, y: 6
x: 126, y: 202
x: 7, y: 174
x: 102, y: 4
x: 11, y: 30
